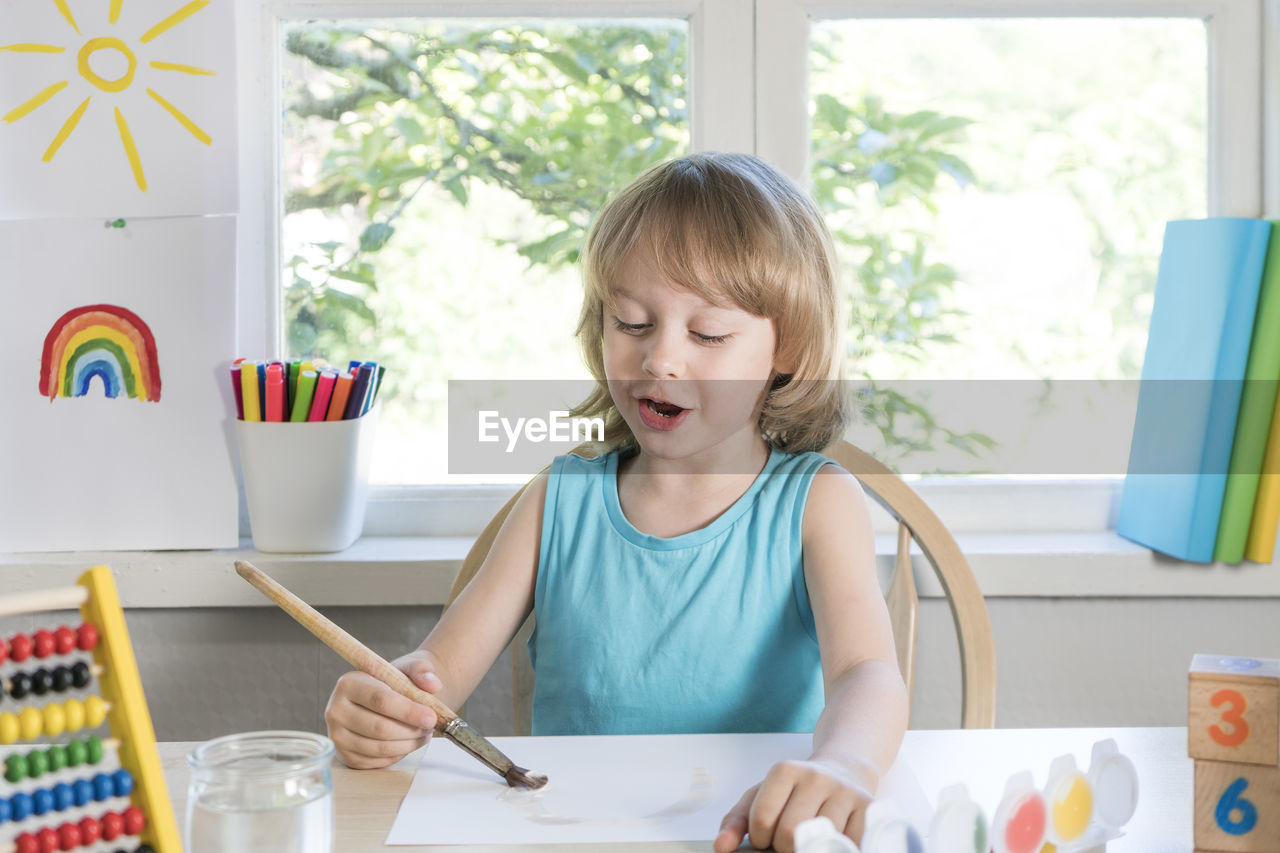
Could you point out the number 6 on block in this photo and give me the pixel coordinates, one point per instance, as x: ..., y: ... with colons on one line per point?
x: 1233, y: 709
x: 1237, y: 807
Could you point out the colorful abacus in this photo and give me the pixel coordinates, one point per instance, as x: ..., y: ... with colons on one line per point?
x: 1233, y: 733
x: 64, y: 787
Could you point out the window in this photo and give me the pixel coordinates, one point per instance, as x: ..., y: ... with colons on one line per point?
x: 1154, y: 114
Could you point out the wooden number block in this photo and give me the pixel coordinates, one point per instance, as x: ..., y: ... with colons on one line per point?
x: 1237, y: 807
x: 1233, y: 709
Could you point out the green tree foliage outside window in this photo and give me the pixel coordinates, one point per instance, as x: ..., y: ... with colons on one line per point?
x: 561, y: 115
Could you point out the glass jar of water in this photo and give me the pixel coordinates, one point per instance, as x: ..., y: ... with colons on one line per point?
x: 261, y: 791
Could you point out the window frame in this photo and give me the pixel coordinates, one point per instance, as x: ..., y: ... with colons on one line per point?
x: 740, y: 102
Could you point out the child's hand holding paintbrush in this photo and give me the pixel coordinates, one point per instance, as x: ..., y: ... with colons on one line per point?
x: 391, y: 719
x: 374, y: 726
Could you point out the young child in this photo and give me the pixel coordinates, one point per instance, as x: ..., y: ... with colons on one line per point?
x: 710, y: 572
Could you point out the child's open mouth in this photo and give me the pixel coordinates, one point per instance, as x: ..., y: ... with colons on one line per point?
x: 660, y: 415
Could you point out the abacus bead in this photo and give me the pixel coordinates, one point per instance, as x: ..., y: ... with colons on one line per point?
x: 64, y: 640
x: 76, y: 753
x: 95, y: 711
x: 134, y: 821
x: 90, y: 830
x: 41, y: 681
x: 122, y: 780
x: 37, y: 763
x: 86, y: 637
x: 15, y: 768
x: 42, y: 643
x: 10, y: 729
x: 55, y: 719
x: 83, y: 790
x: 63, y: 796
x: 102, y: 787
x: 4, y: 651
x: 19, y: 685
x: 94, y: 748
x: 57, y: 757
x: 145, y: 848
x: 19, y: 647
x: 74, y: 710
x: 112, y: 826
x: 22, y: 805
x: 80, y: 674
x: 6, y: 811
x: 60, y: 679
x: 41, y: 801
x: 48, y: 840
x: 69, y: 836
x: 31, y: 721
x: 26, y: 843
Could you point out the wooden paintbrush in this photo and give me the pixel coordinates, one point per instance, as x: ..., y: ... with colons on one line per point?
x: 366, y: 660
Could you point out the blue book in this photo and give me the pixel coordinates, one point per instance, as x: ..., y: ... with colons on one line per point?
x: 1192, y: 377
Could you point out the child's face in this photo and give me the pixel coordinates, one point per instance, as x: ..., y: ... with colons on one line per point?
x: 666, y: 345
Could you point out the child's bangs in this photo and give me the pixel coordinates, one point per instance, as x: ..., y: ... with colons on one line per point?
x: 718, y: 258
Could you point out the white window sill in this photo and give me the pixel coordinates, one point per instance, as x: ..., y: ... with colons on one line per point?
x: 420, y: 570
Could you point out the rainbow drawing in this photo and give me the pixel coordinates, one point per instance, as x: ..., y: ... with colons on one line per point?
x: 106, y: 342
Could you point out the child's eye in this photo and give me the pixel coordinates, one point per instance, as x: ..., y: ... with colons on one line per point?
x: 630, y: 328
x: 712, y: 339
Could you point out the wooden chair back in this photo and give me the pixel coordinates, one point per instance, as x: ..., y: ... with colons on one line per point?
x: 916, y: 522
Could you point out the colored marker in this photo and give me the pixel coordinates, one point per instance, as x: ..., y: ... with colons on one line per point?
x: 275, y: 392
x: 373, y: 386
x: 294, y: 368
x: 235, y: 387
x: 360, y: 390
x: 249, y: 391
x: 262, y: 388
x: 377, y: 385
x: 324, y: 391
x: 341, y: 393
x: 306, y: 390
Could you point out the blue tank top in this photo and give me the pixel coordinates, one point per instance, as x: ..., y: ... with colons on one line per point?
x: 710, y: 631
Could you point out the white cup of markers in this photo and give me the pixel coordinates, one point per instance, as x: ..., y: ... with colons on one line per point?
x: 305, y: 486
x: 301, y: 391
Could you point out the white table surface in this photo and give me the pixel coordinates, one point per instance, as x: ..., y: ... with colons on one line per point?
x: 366, y: 801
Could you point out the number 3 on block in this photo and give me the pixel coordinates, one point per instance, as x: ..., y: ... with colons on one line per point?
x: 1232, y: 715
x: 1233, y: 710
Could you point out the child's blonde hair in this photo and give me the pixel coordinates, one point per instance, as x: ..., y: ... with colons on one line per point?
x: 728, y: 227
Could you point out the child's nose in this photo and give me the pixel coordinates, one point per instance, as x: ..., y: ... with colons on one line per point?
x: 663, y: 357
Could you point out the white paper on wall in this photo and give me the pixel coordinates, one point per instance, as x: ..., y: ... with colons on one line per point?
x: 117, y: 108
x: 635, y: 788
x: 116, y: 417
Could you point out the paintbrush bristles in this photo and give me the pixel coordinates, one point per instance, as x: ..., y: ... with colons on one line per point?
x: 518, y: 777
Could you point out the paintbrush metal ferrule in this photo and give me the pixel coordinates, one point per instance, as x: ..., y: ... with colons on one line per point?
x: 469, y: 739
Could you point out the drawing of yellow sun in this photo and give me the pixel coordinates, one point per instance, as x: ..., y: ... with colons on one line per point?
x: 116, y: 54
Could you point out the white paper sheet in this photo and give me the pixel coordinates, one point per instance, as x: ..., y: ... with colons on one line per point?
x: 157, y: 134
x: 90, y: 472
x: 638, y: 788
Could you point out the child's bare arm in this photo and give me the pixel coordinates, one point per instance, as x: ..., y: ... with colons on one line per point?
x: 373, y: 726
x: 859, y: 732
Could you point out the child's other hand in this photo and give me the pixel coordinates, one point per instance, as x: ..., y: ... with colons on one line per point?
x: 793, y: 792
x: 371, y: 725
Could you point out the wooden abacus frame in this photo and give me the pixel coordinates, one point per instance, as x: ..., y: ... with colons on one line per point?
x: 121, y: 687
